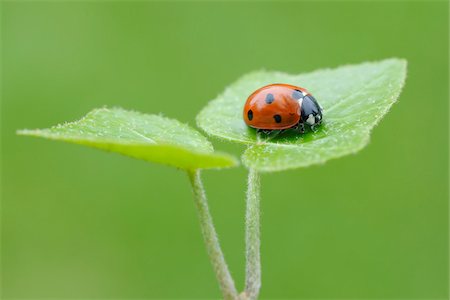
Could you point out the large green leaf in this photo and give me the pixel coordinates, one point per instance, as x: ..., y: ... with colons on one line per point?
x: 149, y: 137
x: 354, y: 98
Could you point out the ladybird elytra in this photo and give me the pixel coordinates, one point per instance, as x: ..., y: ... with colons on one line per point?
x: 281, y: 106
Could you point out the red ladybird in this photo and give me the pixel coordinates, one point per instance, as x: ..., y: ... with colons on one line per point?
x: 282, y: 106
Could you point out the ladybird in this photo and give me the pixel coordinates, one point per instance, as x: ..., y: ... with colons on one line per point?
x: 282, y: 106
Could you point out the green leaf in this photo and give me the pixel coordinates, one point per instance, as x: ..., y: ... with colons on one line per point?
x: 354, y: 98
x: 149, y: 137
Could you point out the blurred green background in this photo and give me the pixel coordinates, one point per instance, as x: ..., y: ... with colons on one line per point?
x: 80, y: 223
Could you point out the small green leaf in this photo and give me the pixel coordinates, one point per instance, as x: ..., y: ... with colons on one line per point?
x: 149, y: 137
x: 354, y: 98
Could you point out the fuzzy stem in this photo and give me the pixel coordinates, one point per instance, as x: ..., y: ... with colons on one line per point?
x: 210, y: 236
x: 252, y: 238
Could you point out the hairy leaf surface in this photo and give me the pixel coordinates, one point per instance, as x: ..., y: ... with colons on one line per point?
x: 148, y: 137
x: 354, y: 98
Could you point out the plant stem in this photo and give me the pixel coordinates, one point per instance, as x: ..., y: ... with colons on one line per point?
x: 210, y: 236
x: 252, y: 238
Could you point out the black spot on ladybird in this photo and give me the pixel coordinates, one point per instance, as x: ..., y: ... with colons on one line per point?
x: 270, y: 98
x: 277, y: 118
x: 250, y: 114
x: 296, y: 94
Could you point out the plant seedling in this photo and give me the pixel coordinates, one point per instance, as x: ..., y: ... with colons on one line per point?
x: 354, y: 99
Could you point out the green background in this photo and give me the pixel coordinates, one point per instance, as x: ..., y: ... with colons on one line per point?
x: 80, y: 223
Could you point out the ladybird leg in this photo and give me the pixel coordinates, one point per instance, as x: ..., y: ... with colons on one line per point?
x: 300, y: 127
x: 263, y: 131
x: 274, y: 133
x: 259, y: 134
x: 263, y: 134
x: 314, y: 127
x: 266, y: 134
